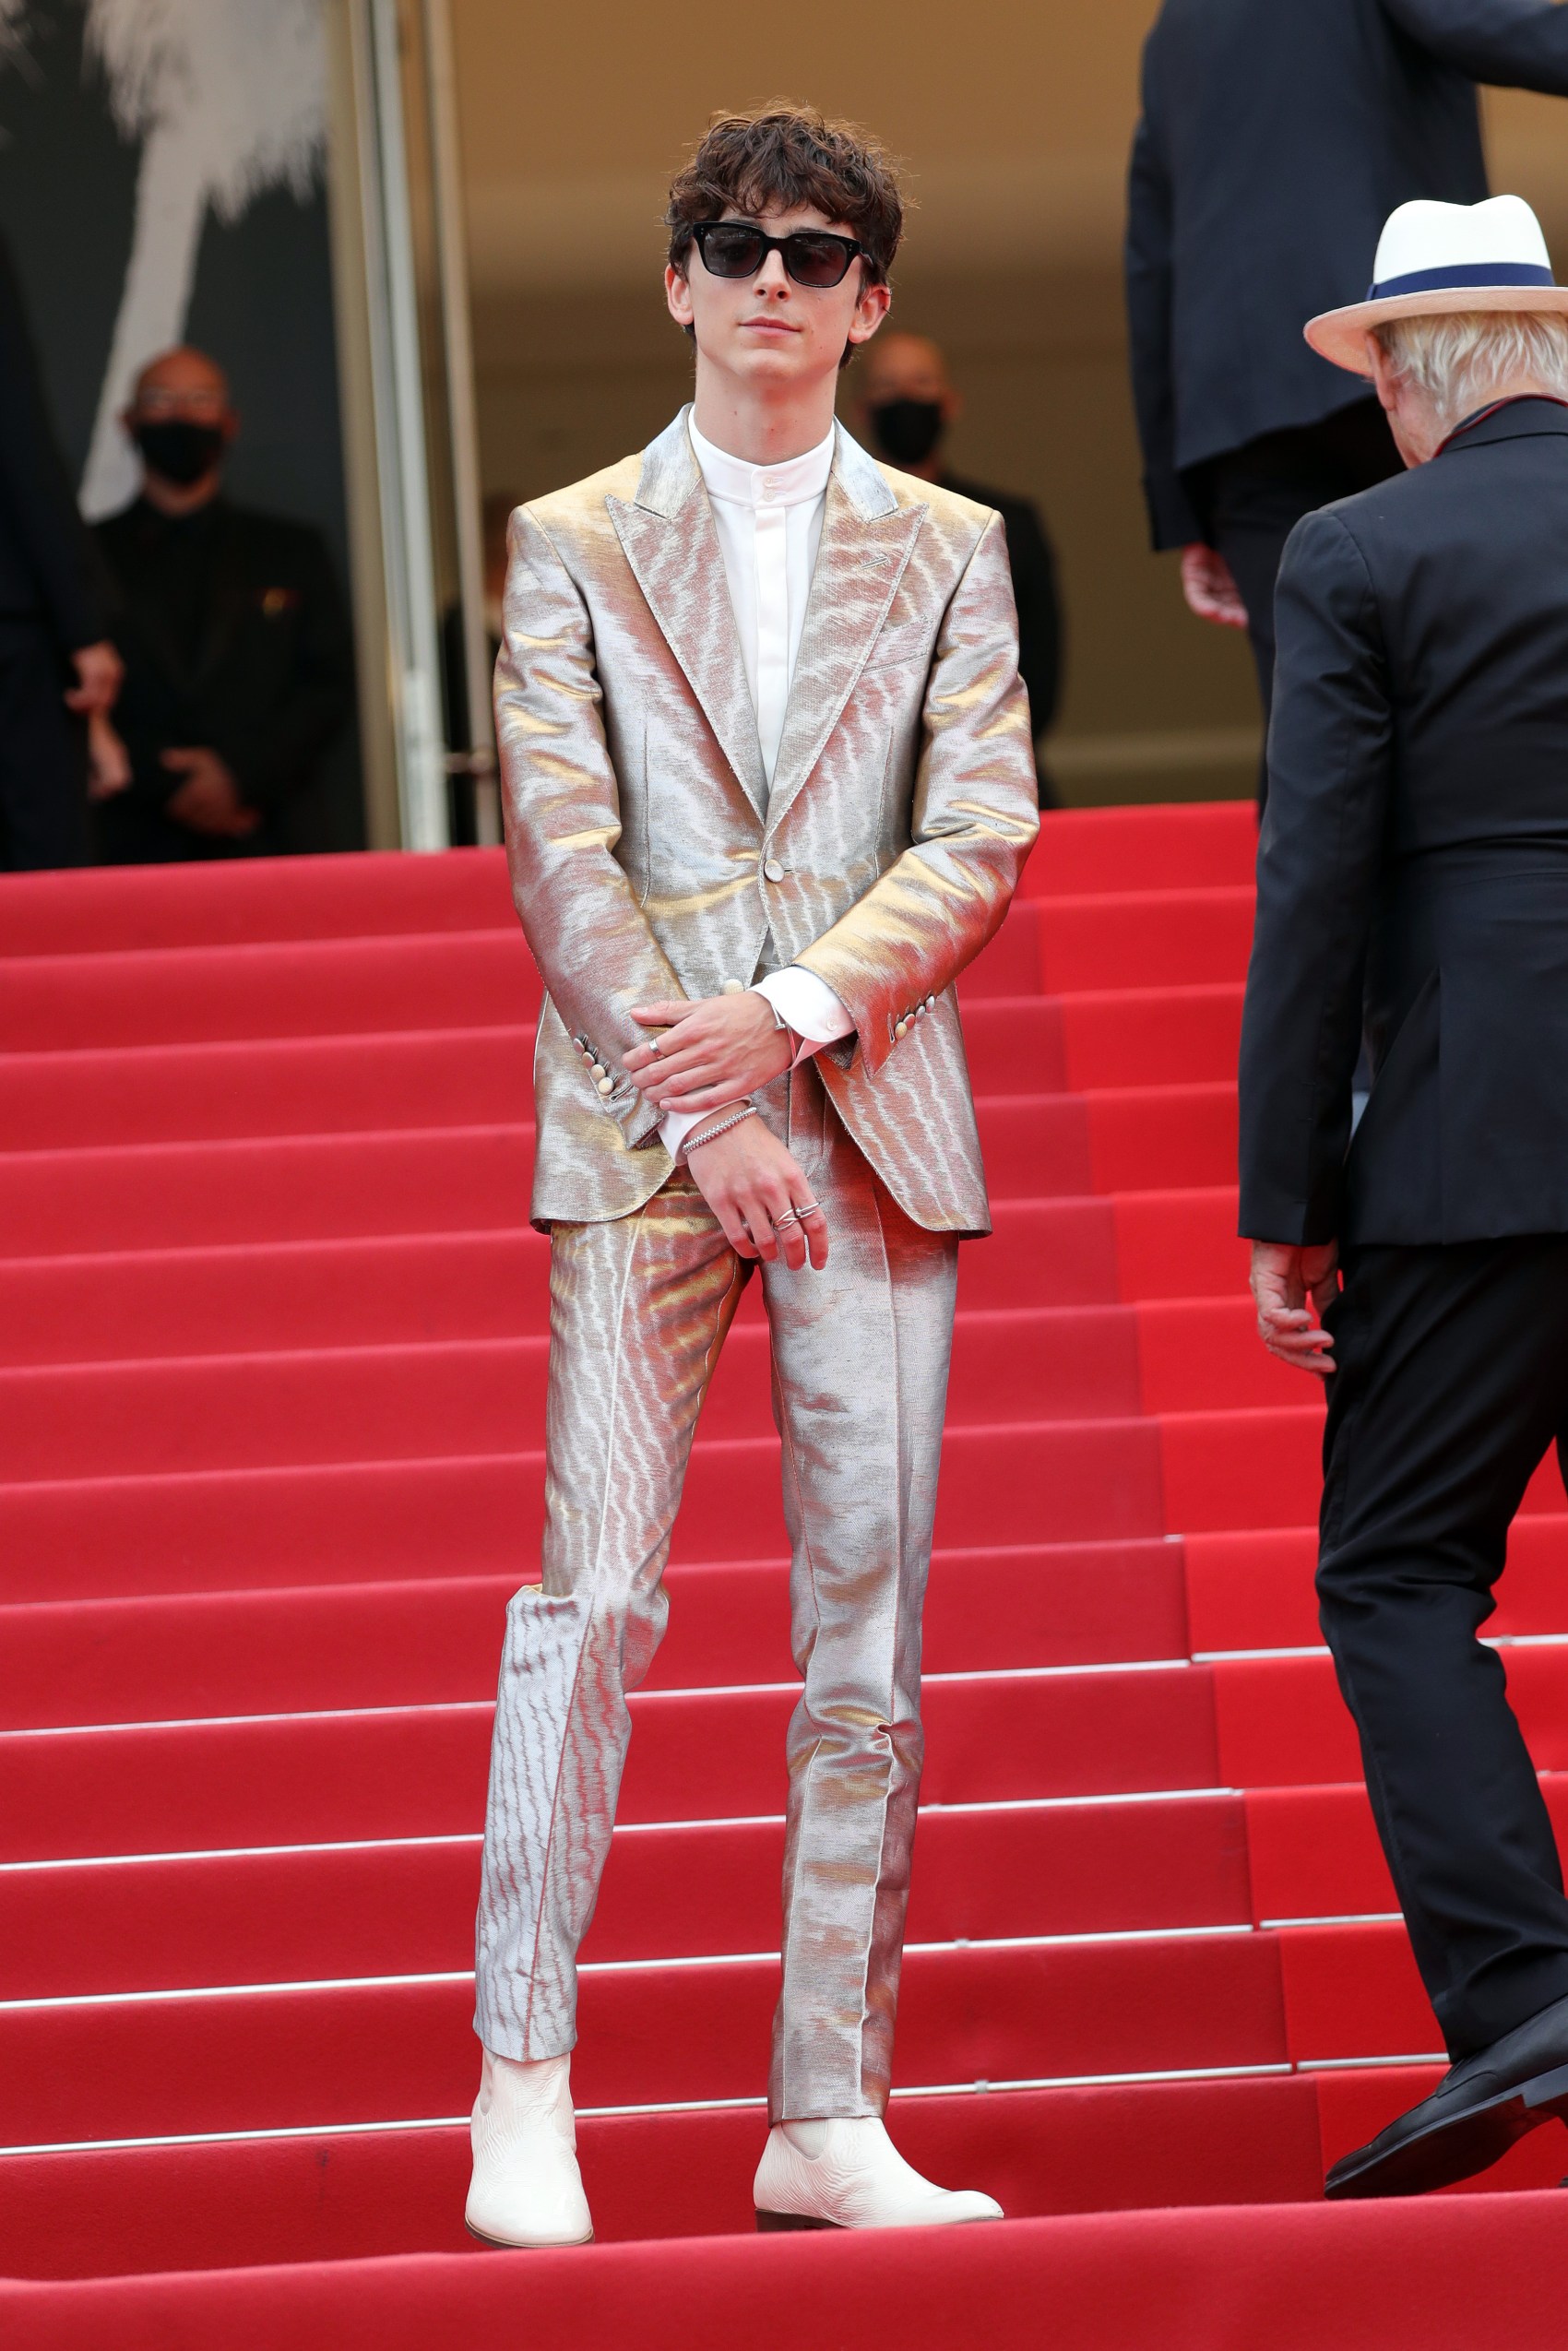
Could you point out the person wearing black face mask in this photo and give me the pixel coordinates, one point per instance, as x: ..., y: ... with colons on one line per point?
x: 906, y: 404
x: 237, y: 651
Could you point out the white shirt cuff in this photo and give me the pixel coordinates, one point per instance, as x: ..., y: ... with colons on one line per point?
x: 675, y: 1126
x: 808, y: 1005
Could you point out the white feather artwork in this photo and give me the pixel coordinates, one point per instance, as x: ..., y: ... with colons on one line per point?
x: 228, y: 98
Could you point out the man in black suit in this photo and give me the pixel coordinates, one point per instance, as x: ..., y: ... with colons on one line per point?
x: 58, y: 669
x: 238, y: 664
x: 1277, y: 136
x: 1414, y: 859
x: 907, y: 401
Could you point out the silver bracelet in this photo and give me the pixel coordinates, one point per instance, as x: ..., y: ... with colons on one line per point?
x: 722, y: 1128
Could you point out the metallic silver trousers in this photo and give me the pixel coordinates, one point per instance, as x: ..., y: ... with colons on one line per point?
x: 639, y: 1309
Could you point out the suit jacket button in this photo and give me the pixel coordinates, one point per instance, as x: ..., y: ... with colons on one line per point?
x: 732, y: 988
x: 773, y: 870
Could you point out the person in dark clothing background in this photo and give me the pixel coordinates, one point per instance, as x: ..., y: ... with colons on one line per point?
x: 1277, y: 136
x: 239, y: 662
x: 58, y: 671
x: 907, y: 402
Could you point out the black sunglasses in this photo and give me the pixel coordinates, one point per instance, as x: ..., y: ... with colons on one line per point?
x: 812, y: 257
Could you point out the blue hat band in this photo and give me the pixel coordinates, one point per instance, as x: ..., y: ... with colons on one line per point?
x: 1469, y: 273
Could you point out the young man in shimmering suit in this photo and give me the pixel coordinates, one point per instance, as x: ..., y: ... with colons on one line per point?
x: 768, y: 787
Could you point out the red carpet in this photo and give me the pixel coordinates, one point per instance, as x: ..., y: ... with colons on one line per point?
x: 271, y: 1377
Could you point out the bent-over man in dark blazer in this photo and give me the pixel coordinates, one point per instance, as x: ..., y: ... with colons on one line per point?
x: 1415, y: 855
x: 1277, y: 136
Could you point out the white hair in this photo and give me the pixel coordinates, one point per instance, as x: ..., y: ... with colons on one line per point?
x: 1465, y: 359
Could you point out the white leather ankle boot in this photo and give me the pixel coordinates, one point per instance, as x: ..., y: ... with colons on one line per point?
x: 848, y: 2174
x: 527, y: 2190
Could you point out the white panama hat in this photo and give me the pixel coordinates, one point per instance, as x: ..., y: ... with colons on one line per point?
x: 1434, y: 257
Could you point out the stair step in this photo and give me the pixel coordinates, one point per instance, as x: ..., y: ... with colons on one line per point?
x: 385, y: 1289
x: 1254, y: 1590
x: 346, y: 2197
x: 468, y: 1179
x: 171, y: 1657
x: 384, y: 894
x: 1169, y: 845
x: 476, y: 1075
x: 460, y: 978
x: 1294, y: 2275
x: 366, y: 1522
x: 312, y: 1778
x: 1283, y: 1723
x: 479, y: 1395
x: 368, y: 894
x: 1314, y: 1852
x: 315, y: 2056
x: 672, y: 1891
x: 300, y: 988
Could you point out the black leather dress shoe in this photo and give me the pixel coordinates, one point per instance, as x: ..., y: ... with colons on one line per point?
x: 1475, y: 2114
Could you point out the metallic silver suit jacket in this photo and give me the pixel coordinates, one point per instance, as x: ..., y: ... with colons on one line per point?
x: 651, y: 860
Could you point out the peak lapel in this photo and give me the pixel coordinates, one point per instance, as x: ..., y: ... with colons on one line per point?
x: 866, y: 540
x: 672, y: 544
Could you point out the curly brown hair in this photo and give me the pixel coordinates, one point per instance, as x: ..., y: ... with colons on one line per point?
x: 785, y: 154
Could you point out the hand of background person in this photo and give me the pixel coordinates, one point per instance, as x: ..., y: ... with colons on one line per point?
x: 108, y: 761
x: 749, y: 1179
x: 209, y: 799
x: 1287, y: 1281
x: 1209, y: 587
x: 98, y: 671
x: 715, y: 1050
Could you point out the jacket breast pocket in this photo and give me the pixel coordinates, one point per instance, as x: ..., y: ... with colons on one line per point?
x: 907, y: 641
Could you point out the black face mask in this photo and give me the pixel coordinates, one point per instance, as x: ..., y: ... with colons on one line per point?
x: 180, y: 450
x: 907, y: 431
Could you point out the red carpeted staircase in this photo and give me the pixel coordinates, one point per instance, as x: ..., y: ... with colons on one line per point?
x: 271, y: 1373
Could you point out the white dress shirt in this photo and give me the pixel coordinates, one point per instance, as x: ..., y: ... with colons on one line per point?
x: 769, y: 523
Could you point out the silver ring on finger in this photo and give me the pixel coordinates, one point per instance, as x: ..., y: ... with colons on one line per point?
x: 790, y: 1216
x: 808, y: 1208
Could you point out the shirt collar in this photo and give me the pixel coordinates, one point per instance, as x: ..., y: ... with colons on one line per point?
x: 794, y: 483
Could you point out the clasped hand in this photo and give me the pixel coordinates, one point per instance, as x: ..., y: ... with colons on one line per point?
x: 715, y: 1050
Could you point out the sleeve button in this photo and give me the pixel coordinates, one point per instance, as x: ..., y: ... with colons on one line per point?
x: 931, y: 1003
x: 732, y: 988
x: 900, y: 1028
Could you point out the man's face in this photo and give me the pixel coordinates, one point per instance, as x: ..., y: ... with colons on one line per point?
x: 766, y: 330
x: 180, y: 417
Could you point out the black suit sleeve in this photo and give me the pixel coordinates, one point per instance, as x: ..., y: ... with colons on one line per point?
x: 1319, y: 856
x: 1039, y: 613
x: 277, y: 758
x: 1515, y: 45
x: 50, y: 540
x: 1148, y: 272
